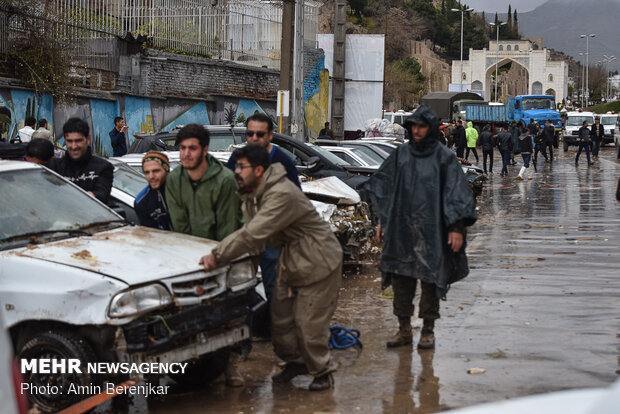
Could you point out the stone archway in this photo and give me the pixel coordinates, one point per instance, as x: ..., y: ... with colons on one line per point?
x: 477, y: 86
x: 550, y: 92
x: 537, y: 88
x: 513, y: 79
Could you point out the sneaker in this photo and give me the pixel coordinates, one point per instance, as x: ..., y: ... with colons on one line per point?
x: 290, y: 371
x: 324, y: 382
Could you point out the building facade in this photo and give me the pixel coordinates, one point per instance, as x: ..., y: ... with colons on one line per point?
x: 523, y: 67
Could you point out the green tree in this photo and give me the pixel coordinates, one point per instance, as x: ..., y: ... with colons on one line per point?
x: 515, y: 26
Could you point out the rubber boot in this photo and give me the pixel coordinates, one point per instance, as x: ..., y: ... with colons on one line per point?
x: 233, y: 377
x: 404, y: 335
x: 521, y: 172
x: 526, y: 174
x: 427, y: 339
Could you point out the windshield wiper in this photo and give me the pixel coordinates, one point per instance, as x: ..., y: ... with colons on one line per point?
x: 32, y: 236
x: 102, y: 223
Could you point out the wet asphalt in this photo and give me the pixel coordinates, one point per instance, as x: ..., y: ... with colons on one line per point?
x: 539, y: 312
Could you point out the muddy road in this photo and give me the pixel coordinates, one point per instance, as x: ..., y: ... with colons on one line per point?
x: 539, y: 312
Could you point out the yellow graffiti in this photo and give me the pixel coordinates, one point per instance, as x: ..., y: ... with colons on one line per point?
x: 317, y: 107
x: 147, y: 127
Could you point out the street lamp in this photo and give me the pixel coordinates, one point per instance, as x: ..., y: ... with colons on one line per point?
x: 582, y: 74
x: 497, y: 55
x: 587, y: 81
x: 606, y: 60
x: 462, y: 19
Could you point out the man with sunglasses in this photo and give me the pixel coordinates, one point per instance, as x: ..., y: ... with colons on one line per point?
x: 260, y: 132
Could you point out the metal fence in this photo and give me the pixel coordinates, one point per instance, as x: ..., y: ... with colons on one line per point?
x: 245, y: 31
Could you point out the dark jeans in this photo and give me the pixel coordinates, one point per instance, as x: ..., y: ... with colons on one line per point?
x: 583, y: 146
x: 526, y: 159
x: 489, y: 154
x: 596, y: 146
x: 539, y: 148
x: 548, y: 146
x: 505, y: 160
x: 404, y: 291
x: 268, y: 263
x: 475, y: 154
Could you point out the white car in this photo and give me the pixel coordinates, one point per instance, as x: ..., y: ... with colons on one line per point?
x: 609, y: 121
x: 574, y: 121
x: 354, y: 156
x: 78, y: 282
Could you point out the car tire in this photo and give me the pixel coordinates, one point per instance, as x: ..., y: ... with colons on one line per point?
x: 58, y: 345
x: 204, y: 370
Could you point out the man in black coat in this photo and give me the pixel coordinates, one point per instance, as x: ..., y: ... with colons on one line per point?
x: 118, y: 138
x: 548, y: 138
x: 597, y: 134
x: 460, y: 139
x: 487, y: 141
x: 89, y: 172
x: 424, y: 204
x: 584, y: 142
x: 505, y: 144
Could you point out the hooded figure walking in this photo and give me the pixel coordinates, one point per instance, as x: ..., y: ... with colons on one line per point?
x: 424, y: 205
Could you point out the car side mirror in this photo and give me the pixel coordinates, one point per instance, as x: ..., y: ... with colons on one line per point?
x: 313, y: 163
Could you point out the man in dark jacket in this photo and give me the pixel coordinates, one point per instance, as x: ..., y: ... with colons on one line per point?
x: 584, y: 142
x: 460, y: 139
x: 487, y: 141
x: 505, y: 144
x: 548, y: 140
x: 150, y: 205
x: 424, y: 204
x: 515, y: 132
x: 539, y: 145
x: 89, y: 172
x: 597, y: 134
x: 533, y: 127
x: 260, y: 131
x: 118, y: 138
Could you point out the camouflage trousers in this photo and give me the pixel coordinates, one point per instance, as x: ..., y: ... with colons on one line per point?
x: 404, y: 288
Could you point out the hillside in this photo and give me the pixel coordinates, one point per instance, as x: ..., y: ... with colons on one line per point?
x: 560, y: 22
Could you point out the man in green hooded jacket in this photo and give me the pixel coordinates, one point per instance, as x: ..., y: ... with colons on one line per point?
x: 472, y: 140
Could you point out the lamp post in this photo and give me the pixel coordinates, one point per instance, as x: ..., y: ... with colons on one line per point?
x: 587, y: 81
x: 497, y: 55
x: 583, y: 71
x: 606, y: 60
x: 462, y: 19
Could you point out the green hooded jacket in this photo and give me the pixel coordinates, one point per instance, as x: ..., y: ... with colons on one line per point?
x: 212, y: 210
x: 472, y: 135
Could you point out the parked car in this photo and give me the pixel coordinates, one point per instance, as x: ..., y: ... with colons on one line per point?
x: 126, y: 186
x: 222, y: 138
x: 12, y: 399
x: 609, y: 124
x: 355, y: 157
x: 574, y: 121
x: 77, y: 281
x: 375, y: 152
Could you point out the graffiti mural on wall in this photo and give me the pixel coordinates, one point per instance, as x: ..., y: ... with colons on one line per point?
x: 316, y: 99
x: 142, y: 115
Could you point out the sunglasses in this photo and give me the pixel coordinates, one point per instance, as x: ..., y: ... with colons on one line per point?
x: 259, y: 134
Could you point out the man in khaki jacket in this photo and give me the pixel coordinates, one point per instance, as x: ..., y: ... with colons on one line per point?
x: 309, y: 271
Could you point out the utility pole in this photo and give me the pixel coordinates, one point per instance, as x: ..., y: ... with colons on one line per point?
x: 338, y: 77
x: 286, y: 55
x: 298, y: 125
x: 462, y: 21
x: 587, y: 81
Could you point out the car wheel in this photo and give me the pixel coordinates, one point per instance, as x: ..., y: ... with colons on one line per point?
x: 58, y: 345
x: 204, y: 370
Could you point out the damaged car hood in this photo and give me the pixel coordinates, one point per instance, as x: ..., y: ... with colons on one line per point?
x: 131, y: 254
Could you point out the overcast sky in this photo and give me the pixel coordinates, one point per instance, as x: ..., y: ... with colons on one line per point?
x: 502, y: 5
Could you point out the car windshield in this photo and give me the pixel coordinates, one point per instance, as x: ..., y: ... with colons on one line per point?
x: 578, y: 120
x: 369, y: 152
x: 222, y: 142
x: 608, y: 120
x: 47, y: 203
x: 331, y: 157
x: 538, y: 103
x: 364, y: 157
x: 128, y: 180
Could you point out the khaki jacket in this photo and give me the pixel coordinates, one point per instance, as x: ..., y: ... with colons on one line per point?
x: 279, y: 214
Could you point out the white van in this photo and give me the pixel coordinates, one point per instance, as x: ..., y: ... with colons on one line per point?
x: 609, y: 121
x: 397, y: 117
x: 574, y: 121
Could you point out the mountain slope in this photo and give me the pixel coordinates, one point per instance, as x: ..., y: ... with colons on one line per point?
x: 560, y: 22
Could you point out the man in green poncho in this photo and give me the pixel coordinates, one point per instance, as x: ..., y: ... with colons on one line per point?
x: 424, y: 204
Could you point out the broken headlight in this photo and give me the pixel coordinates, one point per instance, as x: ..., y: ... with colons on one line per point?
x: 136, y: 301
x: 241, y: 275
